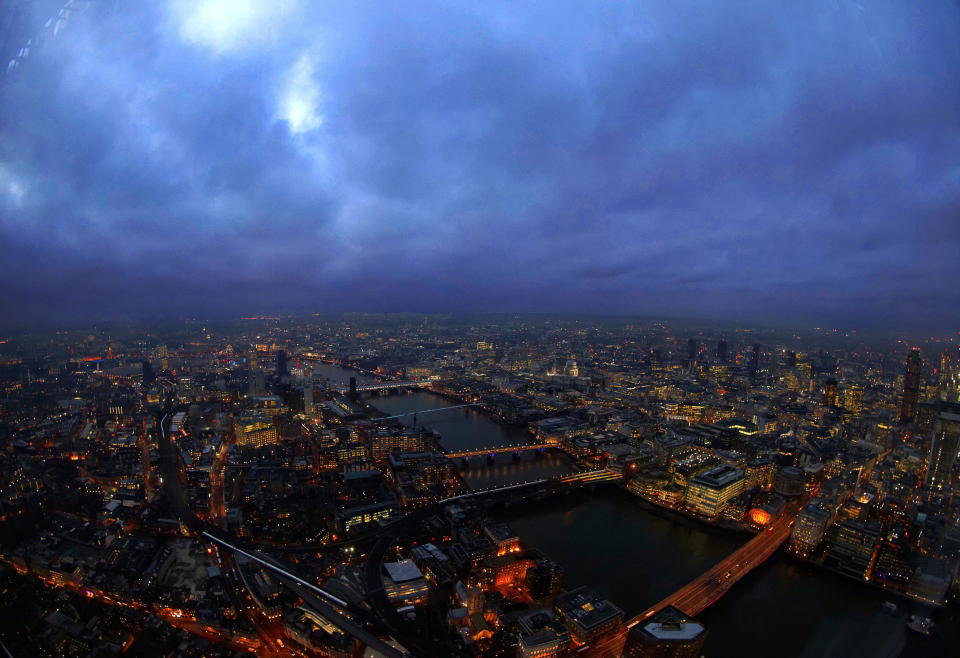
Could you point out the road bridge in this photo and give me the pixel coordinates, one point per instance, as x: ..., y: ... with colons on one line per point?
x: 701, y: 593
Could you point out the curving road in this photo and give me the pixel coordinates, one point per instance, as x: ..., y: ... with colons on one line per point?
x: 176, y: 497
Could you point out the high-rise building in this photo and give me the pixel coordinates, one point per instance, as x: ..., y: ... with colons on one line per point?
x: 808, y: 530
x: 669, y: 633
x: 853, y: 546
x: 384, y: 441
x: 944, y: 447
x: 692, y: 349
x: 830, y: 397
x: 949, y: 385
x: 722, y: 350
x: 789, y: 481
x: 308, y: 402
x: 256, y: 382
x: 911, y: 387
x: 148, y: 375
x: 853, y: 398
x: 282, y: 363
x: 708, y: 492
x: 255, y: 430
x: 755, y: 360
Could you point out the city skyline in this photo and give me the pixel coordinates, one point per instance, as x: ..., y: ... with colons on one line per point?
x: 752, y: 163
x: 550, y: 329
x: 521, y: 486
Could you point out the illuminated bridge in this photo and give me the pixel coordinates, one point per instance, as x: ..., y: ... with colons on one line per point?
x: 424, y: 411
x: 599, y: 475
x: 413, y: 518
x: 701, y: 593
x: 694, y: 597
x: 495, y: 450
x: 381, y: 386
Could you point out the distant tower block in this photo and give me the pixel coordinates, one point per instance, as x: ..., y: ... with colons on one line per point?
x: 911, y: 387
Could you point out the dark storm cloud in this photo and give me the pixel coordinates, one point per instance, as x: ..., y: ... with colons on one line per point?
x: 751, y: 160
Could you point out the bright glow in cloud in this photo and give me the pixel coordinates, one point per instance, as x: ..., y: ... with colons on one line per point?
x: 300, y: 97
x: 228, y: 25
x: 743, y: 160
x: 11, y: 186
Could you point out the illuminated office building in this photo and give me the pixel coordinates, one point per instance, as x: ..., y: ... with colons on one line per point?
x: 255, y: 430
x: 587, y: 615
x: 853, y: 398
x: 541, y: 635
x: 708, y: 492
x: 809, y: 528
x: 404, y: 582
x: 948, y: 388
x: 944, y: 447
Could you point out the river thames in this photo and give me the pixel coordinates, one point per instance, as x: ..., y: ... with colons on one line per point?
x: 604, y: 538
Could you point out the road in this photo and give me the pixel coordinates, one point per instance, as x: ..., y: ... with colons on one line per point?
x: 176, y: 498
x: 144, y: 444
x: 218, y: 504
x: 699, y: 594
x: 711, y: 585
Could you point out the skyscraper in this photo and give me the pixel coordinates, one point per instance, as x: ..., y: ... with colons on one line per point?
x: 755, y: 360
x: 830, y: 397
x: 308, y: 405
x: 911, y: 387
x: 692, y: 349
x: 148, y: 375
x: 282, y: 363
x: 948, y: 389
x: 722, y: 350
x: 943, y: 447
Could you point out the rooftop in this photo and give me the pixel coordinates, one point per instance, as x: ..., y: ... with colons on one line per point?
x: 720, y: 476
x: 402, y: 571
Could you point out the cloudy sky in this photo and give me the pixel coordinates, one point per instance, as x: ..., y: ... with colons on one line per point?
x: 780, y: 161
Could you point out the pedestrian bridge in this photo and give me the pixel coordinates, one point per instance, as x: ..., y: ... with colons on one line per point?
x: 382, y: 386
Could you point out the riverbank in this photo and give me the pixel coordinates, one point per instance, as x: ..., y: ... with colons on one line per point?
x: 429, y: 386
x: 683, y: 516
x: 869, y: 583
